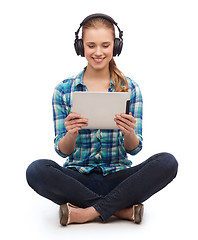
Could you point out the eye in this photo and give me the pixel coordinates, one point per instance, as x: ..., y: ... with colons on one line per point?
x: 106, y: 46
x: 91, y: 46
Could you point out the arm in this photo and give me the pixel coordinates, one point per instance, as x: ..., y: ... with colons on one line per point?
x: 66, y: 130
x: 73, y: 123
x: 67, y: 144
x: 131, y: 124
x: 131, y: 142
x: 126, y: 123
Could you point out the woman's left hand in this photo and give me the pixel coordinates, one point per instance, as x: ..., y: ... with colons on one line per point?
x: 125, y: 122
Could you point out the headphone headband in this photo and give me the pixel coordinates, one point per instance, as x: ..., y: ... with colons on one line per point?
x: 118, y: 42
x: 98, y: 15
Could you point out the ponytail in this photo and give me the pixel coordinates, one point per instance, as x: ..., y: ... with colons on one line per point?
x: 120, y: 81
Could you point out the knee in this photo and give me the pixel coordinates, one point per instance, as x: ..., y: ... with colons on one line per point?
x: 35, y: 171
x: 169, y: 164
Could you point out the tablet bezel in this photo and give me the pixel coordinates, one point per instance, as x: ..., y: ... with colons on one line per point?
x: 100, y: 108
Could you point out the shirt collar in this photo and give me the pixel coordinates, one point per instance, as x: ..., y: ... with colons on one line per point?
x: 79, y: 78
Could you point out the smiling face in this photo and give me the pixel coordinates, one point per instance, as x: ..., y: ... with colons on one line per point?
x: 98, y: 47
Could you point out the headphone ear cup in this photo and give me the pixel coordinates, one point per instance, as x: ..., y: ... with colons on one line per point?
x: 78, y: 45
x: 118, y: 44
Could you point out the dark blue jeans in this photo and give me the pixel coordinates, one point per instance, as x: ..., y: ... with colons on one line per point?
x: 107, y: 194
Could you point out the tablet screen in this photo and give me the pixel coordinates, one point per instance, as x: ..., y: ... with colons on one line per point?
x: 100, y: 108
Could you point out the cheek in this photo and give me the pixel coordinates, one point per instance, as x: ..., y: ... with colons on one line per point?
x: 87, y: 52
x: 109, y: 52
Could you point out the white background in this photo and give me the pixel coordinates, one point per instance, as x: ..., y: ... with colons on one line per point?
x: 160, y: 53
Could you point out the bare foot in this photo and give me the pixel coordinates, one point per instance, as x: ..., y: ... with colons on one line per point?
x: 82, y: 215
x: 125, y: 213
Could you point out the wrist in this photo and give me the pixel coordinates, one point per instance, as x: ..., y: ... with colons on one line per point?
x: 71, y: 136
x: 129, y: 134
x: 131, y: 141
x: 67, y: 144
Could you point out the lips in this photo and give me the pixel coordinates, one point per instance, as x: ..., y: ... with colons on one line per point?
x: 98, y: 60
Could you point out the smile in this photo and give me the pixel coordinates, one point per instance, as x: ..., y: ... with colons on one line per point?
x: 98, y: 60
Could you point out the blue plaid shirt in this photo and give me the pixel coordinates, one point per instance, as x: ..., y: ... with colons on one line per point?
x: 95, y: 147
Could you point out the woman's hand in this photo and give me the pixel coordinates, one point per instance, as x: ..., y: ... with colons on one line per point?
x: 74, y: 123
x: 126, y: 123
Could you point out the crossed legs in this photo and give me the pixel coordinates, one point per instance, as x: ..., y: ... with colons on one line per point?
x: 114, y: 194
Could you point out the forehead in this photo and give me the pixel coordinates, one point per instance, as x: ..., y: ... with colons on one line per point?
x: 98, y: 35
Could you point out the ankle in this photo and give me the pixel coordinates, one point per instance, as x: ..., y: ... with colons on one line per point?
x: 125, y: 213
x: 82, y: 215
x: 91, y: 213
x: 76, y: 215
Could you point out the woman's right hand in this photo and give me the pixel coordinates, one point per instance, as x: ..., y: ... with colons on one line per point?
x: 74, y: 123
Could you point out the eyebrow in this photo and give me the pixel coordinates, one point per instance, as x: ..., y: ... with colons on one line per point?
x: 94, y: 42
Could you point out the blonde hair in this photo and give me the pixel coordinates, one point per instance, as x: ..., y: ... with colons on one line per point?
x: 120, y: 81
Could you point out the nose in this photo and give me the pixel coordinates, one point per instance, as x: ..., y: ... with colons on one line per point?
x: 98, y: 51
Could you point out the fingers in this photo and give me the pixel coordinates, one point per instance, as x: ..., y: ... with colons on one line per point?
x: 129, y: 117
x: 73, y: 122
x: 74, y: 130
x: 126, y: 121
x: 124, y: 131
x: 76, y: 121
x: 71, y: 116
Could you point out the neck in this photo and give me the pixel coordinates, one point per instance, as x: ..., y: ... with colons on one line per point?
x: 95, y: 75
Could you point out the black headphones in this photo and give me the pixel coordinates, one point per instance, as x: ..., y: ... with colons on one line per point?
x: 118, y: 42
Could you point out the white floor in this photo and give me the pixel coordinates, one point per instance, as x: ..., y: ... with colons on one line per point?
x: 160, y: 53
x: 170, y: 214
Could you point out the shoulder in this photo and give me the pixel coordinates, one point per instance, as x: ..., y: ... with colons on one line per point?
x: 62, y: 92
x: 134, y: 89
x: 68, y: 85
x: 65, y: 85
x: 132, y: 84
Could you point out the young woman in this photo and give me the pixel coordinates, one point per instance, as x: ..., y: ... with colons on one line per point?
x: 97, y: 179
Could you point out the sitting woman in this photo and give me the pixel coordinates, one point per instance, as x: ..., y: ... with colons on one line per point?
x: 98, y: 179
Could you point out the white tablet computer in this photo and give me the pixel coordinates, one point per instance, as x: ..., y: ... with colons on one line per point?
x: 100, y: 108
